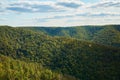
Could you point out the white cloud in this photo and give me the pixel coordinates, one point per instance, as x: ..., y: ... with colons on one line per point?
x: 33, y: 6
x: 68, y: 12
x: 69, y: 4
x: 3, y: 19
x: 105, y: 4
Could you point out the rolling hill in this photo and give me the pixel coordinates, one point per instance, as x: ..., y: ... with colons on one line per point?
x: 107, y: 35
x: 84, y: 60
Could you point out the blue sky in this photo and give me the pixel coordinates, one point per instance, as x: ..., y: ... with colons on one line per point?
x: 59, y: 12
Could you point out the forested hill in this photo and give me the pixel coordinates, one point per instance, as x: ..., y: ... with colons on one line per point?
x: 11, y: 69
x: 107, y: 35
x: 69, y: 56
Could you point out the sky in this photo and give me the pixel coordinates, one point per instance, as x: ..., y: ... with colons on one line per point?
x: 59, y: 12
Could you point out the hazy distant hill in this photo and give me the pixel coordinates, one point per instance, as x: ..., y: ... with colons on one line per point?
x: 81, y: 59
x: 108, y: 35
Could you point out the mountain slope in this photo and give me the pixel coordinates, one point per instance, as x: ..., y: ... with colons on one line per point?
x: 109, y: 36
x: 89, y: 33
x: 11, y: 69
x: 82, y: 59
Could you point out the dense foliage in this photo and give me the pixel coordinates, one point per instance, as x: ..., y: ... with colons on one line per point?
x: 107, y: 35
x: 69, y: 56
x: 18, y: 70
x: 11, y: 69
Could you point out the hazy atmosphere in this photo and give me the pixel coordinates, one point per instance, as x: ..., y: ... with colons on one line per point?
x: 59, y: 12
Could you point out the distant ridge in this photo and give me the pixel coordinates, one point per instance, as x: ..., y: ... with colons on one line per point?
x: 89, y: 33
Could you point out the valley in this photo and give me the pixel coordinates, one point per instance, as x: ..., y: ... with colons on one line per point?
x: 60, y: 53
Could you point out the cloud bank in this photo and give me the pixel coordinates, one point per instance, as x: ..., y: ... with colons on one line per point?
x: 60, y: 12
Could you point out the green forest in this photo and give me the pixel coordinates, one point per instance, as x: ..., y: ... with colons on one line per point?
x: 60, y: 53
x: 107, y: 35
